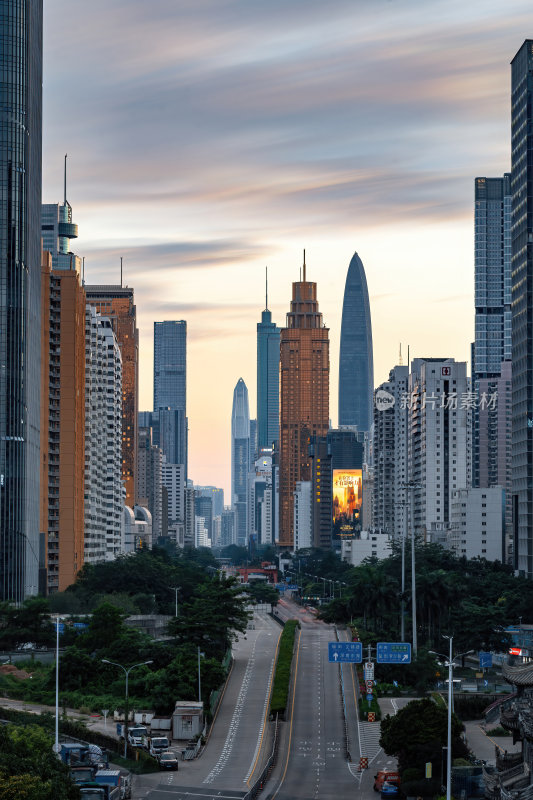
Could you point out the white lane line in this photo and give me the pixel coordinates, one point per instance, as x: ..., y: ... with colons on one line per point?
x: 262, y: 726
x: 235, y: 720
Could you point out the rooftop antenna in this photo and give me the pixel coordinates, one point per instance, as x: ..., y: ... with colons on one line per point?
x: 401, y: 360
x: 408, y: 361
x: 121, y: 272
x: 266, y: 288
x: 304, y: 265
x: 65, y: 180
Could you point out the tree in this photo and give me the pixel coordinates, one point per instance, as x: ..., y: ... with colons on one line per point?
x: 262, y: 592
x: 417, y: 734
x: 29, y: 769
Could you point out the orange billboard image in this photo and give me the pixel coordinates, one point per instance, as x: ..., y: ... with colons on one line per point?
x: 347, y: 496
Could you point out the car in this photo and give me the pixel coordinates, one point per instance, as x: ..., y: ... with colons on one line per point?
x: 389, y: 789
x: 385, y: 775
x: 168, y: 760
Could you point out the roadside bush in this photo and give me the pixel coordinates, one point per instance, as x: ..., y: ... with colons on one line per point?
x: 282, y: 675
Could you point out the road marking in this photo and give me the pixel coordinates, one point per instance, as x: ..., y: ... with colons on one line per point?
x: 263, y: 724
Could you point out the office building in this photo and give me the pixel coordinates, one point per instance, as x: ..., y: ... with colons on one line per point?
x: 201, y: 538
x: 321, y: 491
x: 240, y: 459
x: 438, y: 442
x: 57, y: 231
x: 268, y: 343
x: 227, y: 532
x: 104, y: 491
x: 491, y: 354
x: 253, y: 440
x: 217, y: 496
x: 370, y: 544
x: 478, y: 524
x: 356, y: 360
x: 390, y: 475
x: 260, y: 501
x: 522, y: 303
x: 150, y: 480
x: 20, y: 299
x: 174, y: 482
x: 170, y: 389
x: 188, y: 499
x: 117, y: 304
x: 203, y: 507
x: 63, y: 430
x: 304, y: 396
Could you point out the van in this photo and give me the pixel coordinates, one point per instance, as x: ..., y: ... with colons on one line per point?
x: 386, y: 775
x: 158, y: 745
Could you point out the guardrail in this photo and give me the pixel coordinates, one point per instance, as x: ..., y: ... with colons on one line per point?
x: 267, y: 769
x: 343, y: 701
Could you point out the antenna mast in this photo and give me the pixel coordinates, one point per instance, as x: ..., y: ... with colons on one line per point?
x: 121, y: 272
x: 266, y: 288
x: 65, y: 180
x: 304, y: 265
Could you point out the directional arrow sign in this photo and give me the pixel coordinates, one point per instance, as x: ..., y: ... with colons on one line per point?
x: 393, y: 653
x: 345, y: 652
x: 485, y: 660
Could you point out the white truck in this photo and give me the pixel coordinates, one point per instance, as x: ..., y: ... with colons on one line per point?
x: 157, y: 745
x: 137, y: 736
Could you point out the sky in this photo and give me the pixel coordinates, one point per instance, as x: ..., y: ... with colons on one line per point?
x: 208, y: 139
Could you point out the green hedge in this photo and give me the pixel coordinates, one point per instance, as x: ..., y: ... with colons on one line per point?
x: 365, y: 707
x: 282, y: 675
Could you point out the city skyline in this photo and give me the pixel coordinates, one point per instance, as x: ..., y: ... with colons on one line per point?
x: 314, y: 105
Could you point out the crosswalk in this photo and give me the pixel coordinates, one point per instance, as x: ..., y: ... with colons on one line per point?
x: 369, y: 733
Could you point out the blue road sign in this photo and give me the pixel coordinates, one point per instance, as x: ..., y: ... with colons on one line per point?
x: 345, y: 652
x: 485, y: 660
x: 369, y: 697
x: 292, y: 587
x: 393, y: 653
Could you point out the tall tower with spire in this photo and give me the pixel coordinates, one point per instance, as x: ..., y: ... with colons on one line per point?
x: 356, y: 363
x: 240, y: 460
x: 57, y: 230
x: 304, y: 412
x: 268, y: 336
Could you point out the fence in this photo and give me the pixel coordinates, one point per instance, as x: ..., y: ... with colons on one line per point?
x: 267, y: 769
x: 343, y: 701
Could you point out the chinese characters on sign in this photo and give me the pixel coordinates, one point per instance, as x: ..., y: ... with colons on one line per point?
x: 347, y: 501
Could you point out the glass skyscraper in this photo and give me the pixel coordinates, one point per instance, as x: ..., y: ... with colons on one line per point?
x: 170, y: 390
x: 240, y: 459
x: 268, y: 336
x: 522, y: 304
x: 356, y: 362
x: 20, y: 295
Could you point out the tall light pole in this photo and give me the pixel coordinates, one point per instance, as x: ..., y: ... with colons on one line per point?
x: 57, y: 748
x: 200, y: 654
x: 411, y: 486
x: 127, y: 673
x: 176, y: 589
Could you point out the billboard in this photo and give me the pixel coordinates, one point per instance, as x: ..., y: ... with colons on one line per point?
x: 347, y: 501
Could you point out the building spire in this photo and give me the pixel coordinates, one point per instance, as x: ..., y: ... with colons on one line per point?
x: 266, y: 288
x: 65, y: 180
x: 304, y: 265
x: 121, y: 272
x: 400, y: 362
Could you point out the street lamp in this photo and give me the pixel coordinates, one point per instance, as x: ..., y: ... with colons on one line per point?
x: 57, y: 747
x: 411, y: 486
x: 450, y: 663
x: 200, y: 655
x: 175, y: 589
x: 126, y: 672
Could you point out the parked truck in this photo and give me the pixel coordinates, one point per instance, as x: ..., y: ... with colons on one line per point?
x: 137, y: 736
x: 99, y: 791
x: 158, y: 745
x: 82, y: 774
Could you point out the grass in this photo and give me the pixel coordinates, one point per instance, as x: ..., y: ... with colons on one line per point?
x: 282, y: 675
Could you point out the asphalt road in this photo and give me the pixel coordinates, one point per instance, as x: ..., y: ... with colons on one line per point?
x: 237, y: 745
x: 312, y: 763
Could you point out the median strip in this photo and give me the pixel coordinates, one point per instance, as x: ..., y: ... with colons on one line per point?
x: 282, y: 676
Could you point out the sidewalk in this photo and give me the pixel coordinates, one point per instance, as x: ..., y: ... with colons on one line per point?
x: 484, y: 746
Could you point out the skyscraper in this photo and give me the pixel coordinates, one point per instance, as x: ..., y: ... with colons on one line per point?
x: 117, y: 304
x: 268, y: 337
x: 169, y: 420
x: 356, y: 361
x: 522, y: 304
x: 57, y: 229
x: 491, y: 370
x: 240, y: 459
x: 20, y: 299
x: 304, y: 412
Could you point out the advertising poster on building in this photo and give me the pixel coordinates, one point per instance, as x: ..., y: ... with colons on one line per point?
x: 347, y: 502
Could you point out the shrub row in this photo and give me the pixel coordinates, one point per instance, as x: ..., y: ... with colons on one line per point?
x: 282, y: 675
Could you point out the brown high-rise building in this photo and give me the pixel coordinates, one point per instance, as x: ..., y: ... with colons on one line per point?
x: 304, y: 396
x: 62, y: 422
x: 116, y: 303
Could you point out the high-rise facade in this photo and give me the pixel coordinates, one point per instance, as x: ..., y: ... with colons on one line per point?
x: 149, y: 479
x: 522, y: 304
x: 356, y: 360
x: 63, y: 402
x: 57, y: 229
x: 304, y: 396
x: 240, y: 459
x: 103, y: 482
x: 20, y: 298
x: 117, y: 304
x: 492, y: 368
x: 268, y: 338
x: 170, y: 389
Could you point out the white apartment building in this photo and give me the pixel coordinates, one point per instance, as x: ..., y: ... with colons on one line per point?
x: 478, y: 524
x: 438, y: 443
x: 173, y: 480
x: 104, y: 489
x: 303, y: 526
x: 372, y: 544
x: 201, y: 534
x: 259, y: 484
